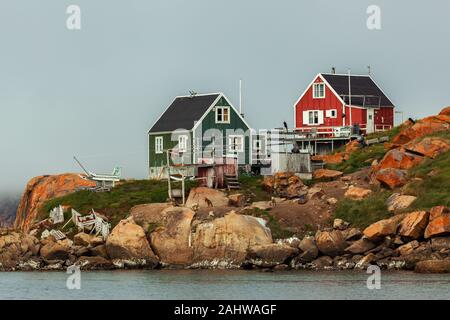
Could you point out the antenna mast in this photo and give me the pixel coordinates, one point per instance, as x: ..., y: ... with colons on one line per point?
x: 240, y: 96
x: 350, y: 96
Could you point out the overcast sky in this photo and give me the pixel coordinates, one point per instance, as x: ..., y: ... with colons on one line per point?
x: 95, y: 92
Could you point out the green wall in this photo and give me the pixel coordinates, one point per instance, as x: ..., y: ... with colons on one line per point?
x: 159, y: 159
x: 209, y: 122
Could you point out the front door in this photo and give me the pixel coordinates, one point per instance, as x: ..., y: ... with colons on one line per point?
x: 370, y: 124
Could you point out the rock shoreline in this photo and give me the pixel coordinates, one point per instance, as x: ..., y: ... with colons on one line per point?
x: 417, y: 241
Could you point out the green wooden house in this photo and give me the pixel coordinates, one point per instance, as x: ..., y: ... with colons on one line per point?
x: 195, y: 129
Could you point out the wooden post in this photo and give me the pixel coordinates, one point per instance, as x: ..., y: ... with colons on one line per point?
x: 183, y: 188
x: 169, y: 187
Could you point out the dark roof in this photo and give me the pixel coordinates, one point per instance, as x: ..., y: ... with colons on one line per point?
x: 183, y: 111
x: 361, y: 86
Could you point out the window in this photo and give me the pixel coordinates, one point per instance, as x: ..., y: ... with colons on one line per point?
x: 331, y: 113
x: 222, y: 114
x: 182, y: 143
x: 236, y: 143
x: 159, y: 145
x: 313, y: 117
x: 319, y: 90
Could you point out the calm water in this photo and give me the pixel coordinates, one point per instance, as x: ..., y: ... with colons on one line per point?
x: 217, y: 284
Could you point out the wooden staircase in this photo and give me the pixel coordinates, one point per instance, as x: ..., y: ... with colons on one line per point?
x: 232, y: 181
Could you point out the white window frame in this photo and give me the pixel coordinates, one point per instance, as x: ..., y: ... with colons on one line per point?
x: 316, y: 91
x: 159, y: 145
x: 182, y: 143
x: 329, y: 113
x: 222, y: 108
x: 314, y: 117
x: 231, y: 145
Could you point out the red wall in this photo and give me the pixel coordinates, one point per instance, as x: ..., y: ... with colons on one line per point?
x: 359, y: 116
x: 383, y: 116
x: 309, y: 103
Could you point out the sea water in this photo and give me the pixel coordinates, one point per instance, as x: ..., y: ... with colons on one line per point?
x: 222, y: 284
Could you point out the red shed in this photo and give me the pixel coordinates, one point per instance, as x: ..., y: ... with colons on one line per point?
x: 332, y: 102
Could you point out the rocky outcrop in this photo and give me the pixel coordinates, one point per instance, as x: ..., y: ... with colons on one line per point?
x: 340, y: 224
x: 94, y: 263
x: 16, y: 248
x: 399, y: 159
x: 41, y: 189
x: 56, y: 250
x: 334, y: 158
x: 433, y: 266
x: 423, y: 127
x: 227, y: 239
x: 360, y: 246
x: 391, y: 178
x: 172, y: 241
x: 357, y: 193
x: 327, y: 174
x: 398, y: 201
x: 270, y: 255
x: 284, y: 184
x: 237, y: 199
x: 331, y: 243
x: 339, y: 157
x: 413, y: 225
x: 380, y: 229
x: 128, y: 241
x: 84, y: 239
x: 429, y: 147
x: 438, y: 211
x: 200, y: 197
x: 409, y: 148
x: 147, y: 215
x: 221, y: 242
x: 439, y: 224
x: 445, y: 112
x: 308, y: 249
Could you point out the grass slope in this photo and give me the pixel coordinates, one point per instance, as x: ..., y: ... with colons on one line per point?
x: 364, y: 212
x: 429, y: 182
x: 432, y: 188
x: 117, y: 203
x: 363, y: 157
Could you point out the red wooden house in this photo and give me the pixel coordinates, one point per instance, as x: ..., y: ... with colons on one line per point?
x: 333, y: 102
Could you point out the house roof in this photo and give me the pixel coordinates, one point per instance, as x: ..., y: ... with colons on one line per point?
x: 183, y: 112
x: 364, y: 91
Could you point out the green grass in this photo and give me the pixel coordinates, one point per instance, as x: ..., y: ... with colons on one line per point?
x: 363, y: 157
x: 360, y: 158
x: 390, y: 133
x: 251, y: 187
x: 434, y: 188
x: 361, y: 213
x: 277, y: 231
x: 117, y: 203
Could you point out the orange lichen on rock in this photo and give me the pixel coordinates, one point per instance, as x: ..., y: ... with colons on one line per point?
x: 41, y: 189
